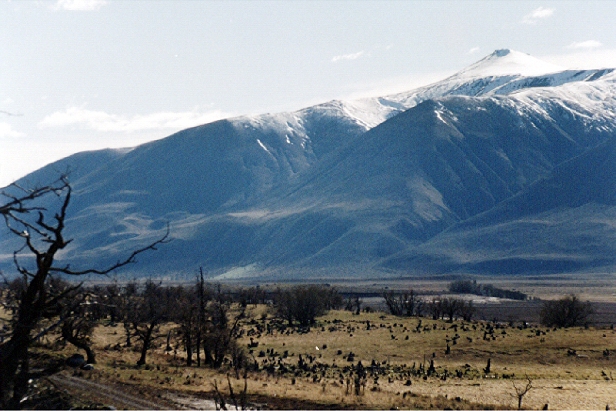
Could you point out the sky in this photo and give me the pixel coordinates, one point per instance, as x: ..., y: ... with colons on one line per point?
x: 79, y: 75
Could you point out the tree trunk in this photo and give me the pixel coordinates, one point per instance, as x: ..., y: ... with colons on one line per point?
x: 189, y: 350
x: 209, y: 360
x: 168, y: 347
x: 79, y: 343
x: 198, y: 347
x: 21, y: 382
x: 13, y: 364
x: 14, y: 353
x: 127, y: 332
x: 146, y: 344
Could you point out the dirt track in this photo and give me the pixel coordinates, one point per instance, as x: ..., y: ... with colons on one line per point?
x: 122, y: 399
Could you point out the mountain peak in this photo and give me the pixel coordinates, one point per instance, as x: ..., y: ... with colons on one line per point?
x: 501, y: 52
x: 504, y: 62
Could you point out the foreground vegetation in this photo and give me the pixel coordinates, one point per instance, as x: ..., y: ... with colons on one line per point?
x: 368, y: 360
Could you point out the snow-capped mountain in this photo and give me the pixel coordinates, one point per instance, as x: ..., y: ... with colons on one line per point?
x: 348, y: 188
x: 500, y: 73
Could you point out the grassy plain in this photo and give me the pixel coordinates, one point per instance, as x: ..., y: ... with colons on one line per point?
x: 569, y: 368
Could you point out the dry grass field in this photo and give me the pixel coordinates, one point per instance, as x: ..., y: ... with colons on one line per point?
x: 312, y: 368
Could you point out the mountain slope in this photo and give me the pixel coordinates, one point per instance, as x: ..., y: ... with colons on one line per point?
x: 428, y: 168
x: 367, y: 187
x: 562, y: 223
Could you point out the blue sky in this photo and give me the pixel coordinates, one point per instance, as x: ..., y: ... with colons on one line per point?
x: 80, y: 75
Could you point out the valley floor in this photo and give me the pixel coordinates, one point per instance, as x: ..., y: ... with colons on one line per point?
x: 314, y: 368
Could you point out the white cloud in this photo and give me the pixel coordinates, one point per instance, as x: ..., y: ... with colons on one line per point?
x: 102, y: 121
x: 589, y: 44
x: 474, y: 50
x: 539, y: 13
x: 351, y: 56
x: 584, y: 58
x: 79, y: 5
x: 6, y: 131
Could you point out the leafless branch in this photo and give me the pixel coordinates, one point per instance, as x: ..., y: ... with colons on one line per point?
x: 132, y: 258
x: 17, y: 204
x: 520, y: 392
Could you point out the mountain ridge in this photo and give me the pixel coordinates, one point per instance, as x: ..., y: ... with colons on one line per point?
x: 578, y: 197
x: 360, y: 188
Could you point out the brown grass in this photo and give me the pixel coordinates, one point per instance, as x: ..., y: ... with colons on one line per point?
x: 582, y: 381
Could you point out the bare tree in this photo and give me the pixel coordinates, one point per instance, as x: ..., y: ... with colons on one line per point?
x: 78, y: 318
x: 43, y: 236
x: 219, y: 399
x: 151, y: 311
x: 127, y: 301
x: 452, y: 307
x: 111, y: 299
x: 521, y: 391
x: 219, y: 333
x: 304, y: 303
x: 186, y: 316
x: 404, y: 304
x: 568, y: 311
x: 203, y: 296
x: 467, y: 310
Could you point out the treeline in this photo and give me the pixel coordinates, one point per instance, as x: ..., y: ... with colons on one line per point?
x: 486, y: 290
x: 204, y: 318
x: 409, y: 304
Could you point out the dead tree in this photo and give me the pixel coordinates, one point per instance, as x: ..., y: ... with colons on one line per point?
x: 127, y: 302
x: 203, y: 297
x: 357, y: 302
x: 42, y: 233
x: 78, y: 321
x: 151, y: 312
x: 219, y: 399
x: 219, y: 333
x: 520, y: 392
x: 403, y: 305
x: 186, y: 316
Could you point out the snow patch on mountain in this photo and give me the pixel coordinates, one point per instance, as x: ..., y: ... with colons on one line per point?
x: 508, y: 62
x: 501, y: 73
x: 591, y: 101
x: 504, y: 72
